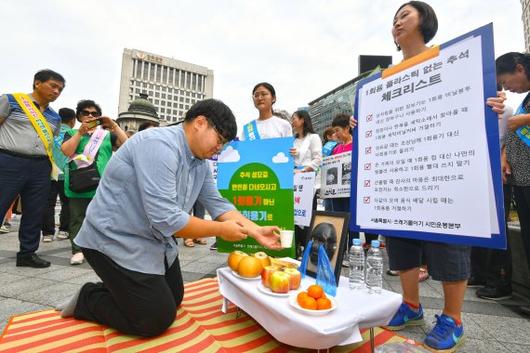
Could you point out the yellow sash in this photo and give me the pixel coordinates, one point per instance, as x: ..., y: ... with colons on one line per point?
x: 40, y: 125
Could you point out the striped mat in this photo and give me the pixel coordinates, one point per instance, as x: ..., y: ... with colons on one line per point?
x: 200, y: 326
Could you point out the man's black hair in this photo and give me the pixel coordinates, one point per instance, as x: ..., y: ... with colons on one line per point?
x: 83, y: 104
x: 45, y: 75
x: 429, y: 21
x: 507, y: 63
x: 66, y: 115
x: 218, y: 114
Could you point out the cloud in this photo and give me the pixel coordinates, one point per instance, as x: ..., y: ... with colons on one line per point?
x: 280, y: 158
x: 229, y: 155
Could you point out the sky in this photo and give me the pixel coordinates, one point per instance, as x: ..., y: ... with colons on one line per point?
x: 305, y: 48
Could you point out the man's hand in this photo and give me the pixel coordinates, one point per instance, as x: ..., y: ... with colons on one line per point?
x: 497, y: 103
x: 232, y: 230
x: 267, y: 236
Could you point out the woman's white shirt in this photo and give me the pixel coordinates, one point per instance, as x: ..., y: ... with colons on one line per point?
x: 272, y: 127
x: 308, y: 151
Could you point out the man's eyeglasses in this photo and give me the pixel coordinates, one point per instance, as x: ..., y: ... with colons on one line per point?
x: 220, y: 138
x: 87, y: 113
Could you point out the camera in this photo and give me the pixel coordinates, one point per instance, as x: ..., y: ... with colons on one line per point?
x: 92, y: 124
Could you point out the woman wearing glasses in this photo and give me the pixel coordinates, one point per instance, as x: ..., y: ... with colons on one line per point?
x: 89, y: 148
x: 267, y: 125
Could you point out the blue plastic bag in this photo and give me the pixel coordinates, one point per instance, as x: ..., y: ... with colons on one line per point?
x: 305, y: 258
x: 325, y: 275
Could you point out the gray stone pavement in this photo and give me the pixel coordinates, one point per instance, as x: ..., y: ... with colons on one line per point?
x: 489, y: 326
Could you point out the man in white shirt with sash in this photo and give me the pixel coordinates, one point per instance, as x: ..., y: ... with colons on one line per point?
x: 27, y: 128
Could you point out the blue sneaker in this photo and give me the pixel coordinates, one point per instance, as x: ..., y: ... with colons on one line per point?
x: 405, y: 316
x: 445, y: 336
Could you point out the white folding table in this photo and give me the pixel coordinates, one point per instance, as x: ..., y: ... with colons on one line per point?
x: 355, y: 309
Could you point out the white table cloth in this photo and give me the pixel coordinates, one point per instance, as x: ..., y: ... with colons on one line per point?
x: 355, y: 309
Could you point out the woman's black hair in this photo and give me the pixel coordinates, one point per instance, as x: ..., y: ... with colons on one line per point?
x: 267, y: 85
x: 429, y: 21
x: 269, y: 88
x: 342, y: 120
x: 507, y: 63
x: 83, y: 104
x: 308, y: 125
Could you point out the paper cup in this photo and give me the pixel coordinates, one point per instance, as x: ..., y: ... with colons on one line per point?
x: 286, y: 238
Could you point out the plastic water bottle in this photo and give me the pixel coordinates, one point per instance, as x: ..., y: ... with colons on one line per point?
x: 374, y: 268
x: 357, y: 264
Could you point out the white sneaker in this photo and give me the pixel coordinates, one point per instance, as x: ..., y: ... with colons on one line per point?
x: 77, y: 259
x: 47, y: 238
x: 4, y: 229
x: 62, y: 235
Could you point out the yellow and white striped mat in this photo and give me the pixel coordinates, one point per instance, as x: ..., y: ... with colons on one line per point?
x: 200, y: 326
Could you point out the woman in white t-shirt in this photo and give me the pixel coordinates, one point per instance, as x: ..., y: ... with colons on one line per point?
x: 307, y: 154
x: 307, y: 149
x: 267, y: 125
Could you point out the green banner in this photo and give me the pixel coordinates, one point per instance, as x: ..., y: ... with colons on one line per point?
x: 260, y: 185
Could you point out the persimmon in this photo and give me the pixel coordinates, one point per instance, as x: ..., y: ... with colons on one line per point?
x: 315, y: 291
x: 308, y: 303
x: 323, y: 303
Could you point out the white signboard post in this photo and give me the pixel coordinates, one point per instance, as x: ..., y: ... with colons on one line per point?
x: 304, y: 190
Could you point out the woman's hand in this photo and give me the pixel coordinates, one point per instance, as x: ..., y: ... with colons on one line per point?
x: 293, y: 151
x: 86, y: 126
x: 506, y: 169
x: 516, y: 121
x: 108, y: 123
x: 353, y: 122
x: 497, y: 103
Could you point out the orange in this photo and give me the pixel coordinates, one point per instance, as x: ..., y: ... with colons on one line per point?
x: 323, y: 303
x: 315, y: 291
x: 300, y: 297
x: 308, y: 303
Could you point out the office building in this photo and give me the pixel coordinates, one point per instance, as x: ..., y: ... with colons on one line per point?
x: 171, y: 85
x: 342, y: 99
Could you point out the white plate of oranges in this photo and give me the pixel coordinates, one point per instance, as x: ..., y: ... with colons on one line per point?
x: 313, y: 301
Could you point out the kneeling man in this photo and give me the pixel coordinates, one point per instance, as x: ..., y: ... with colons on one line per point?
x: 141, y: 205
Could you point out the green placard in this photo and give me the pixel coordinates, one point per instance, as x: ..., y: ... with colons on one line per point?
x: 255, y: 189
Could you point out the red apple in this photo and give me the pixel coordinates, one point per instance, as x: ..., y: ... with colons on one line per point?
x: 234, y: 258
x: 295, y: 277
x: 266, y: 275
x: 279, y: 282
